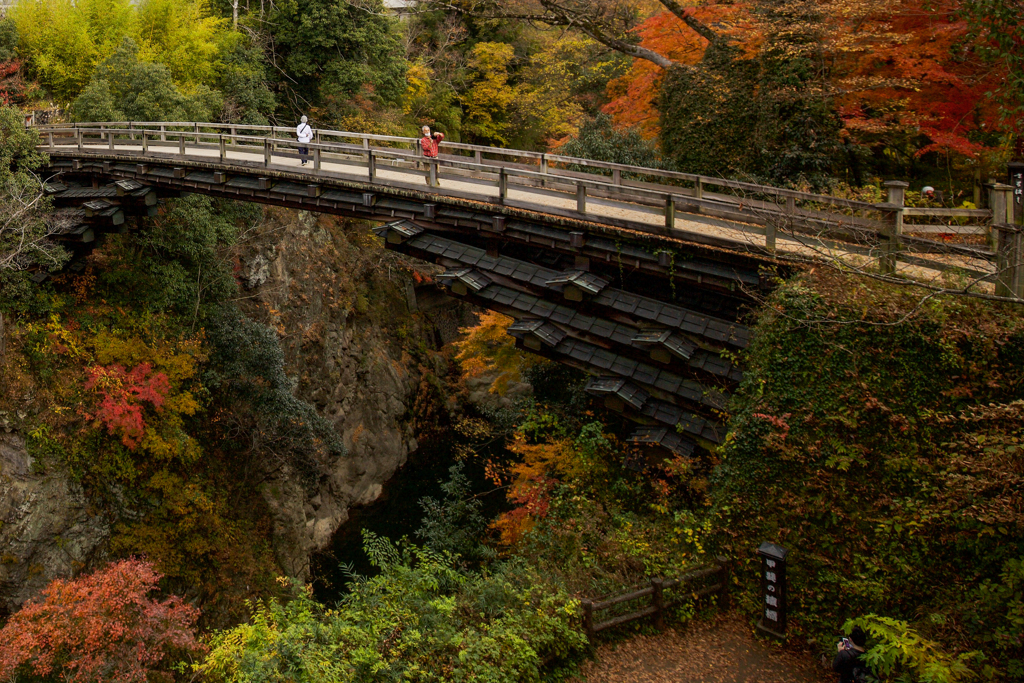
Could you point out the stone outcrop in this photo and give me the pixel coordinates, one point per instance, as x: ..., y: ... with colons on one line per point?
x: 347, y: 315
x: 46, y: 528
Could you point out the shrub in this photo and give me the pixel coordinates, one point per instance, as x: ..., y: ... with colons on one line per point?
x: 99, y: 627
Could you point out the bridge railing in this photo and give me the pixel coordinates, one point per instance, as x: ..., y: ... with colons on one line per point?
x: 519, y: 178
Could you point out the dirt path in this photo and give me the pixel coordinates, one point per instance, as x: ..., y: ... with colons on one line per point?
x: 723, y: 651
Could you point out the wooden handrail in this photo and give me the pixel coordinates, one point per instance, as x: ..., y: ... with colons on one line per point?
x: 655, y: 591
x: 771, y: 214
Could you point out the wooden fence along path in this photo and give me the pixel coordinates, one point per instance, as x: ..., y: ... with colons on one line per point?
x: 655, y: 592
x: 726, y: 213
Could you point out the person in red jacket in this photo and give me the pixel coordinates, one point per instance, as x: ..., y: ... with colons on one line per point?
x: 429, y: 144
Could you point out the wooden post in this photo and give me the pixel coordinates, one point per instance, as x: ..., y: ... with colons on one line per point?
x: 145, y: 141
x: 698, y: 188
x: 1006, y: 242
x: 163, y: 133
x: 616, y: 176
x: 371, y: 163
x: 658, y: 600
x: 670, y: 212
x: 49, y: 139
x: 316, y: 159
x: 724, y: 576
x: 366, y: 143
x: 79, y: 132
x: 110, y: 140
x: 478, y: 156
x: 588, y: 620
x: 181, y: 144
x: 891, y: 236
x: 543, y: 163
x: 1000, y: 200
x: 433, y: 173
x: 502, y: 185
x: 581, y: 198
x: 268, y: 151
x: 196, y: 125
x: 223, y: 149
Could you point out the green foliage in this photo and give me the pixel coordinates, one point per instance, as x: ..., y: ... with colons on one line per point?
x: 247, y: 372
x: 882, y: 446
x: 125, y: 88
x: 418, y: 620
x: 243, y: 81
x: 24, y: 224
x: 454, y: 526
x: 902, y: 652
x: 765, y: 117
x: 339, y: 53
x: 597, y: 139
x: 8, y: 39
x: 63, y: 42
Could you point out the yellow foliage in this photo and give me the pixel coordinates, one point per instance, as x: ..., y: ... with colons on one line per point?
x: 488, y: 351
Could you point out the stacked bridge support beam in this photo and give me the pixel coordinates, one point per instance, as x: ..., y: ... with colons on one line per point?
x: 665, y: 365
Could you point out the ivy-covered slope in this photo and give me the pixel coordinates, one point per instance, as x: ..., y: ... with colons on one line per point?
x: 879, y: 439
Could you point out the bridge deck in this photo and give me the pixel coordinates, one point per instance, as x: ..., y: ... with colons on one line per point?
x: 690, y: 214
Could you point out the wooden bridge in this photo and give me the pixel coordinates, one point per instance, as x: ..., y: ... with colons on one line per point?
x: 638, y: 276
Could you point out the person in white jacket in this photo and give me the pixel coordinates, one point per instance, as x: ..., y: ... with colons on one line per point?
x: 305, y: 134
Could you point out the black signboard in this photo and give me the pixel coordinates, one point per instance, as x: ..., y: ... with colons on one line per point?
x: 1017, y: 182
x: 773, y: 589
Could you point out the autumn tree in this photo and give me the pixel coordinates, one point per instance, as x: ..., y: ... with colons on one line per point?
x: 26, y: 226
x: 104, y: 626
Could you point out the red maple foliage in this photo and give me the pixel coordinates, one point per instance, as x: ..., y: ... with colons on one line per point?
x: 99, y: 627
x: 12, y: 89
x: 121, y: 395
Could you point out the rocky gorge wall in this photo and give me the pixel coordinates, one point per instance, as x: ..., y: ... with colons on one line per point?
x: 360, y: 329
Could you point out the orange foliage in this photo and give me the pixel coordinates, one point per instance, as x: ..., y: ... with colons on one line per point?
x: 99, y: 627
x: 634, y: 96
x: 904, y: 67
x: 531, y: 480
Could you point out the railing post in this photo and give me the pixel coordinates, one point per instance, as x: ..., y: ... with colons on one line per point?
x: 725, y: 575
x: 616, y: 176
x: 163, y: 133
x: 658, y: 601
x: 316, y: 159
x: 433, y: 173
x: 79, y: 132
x: 478, y: 156
x: 221, y: 146
x: 1000, y: 198
x: 145, y: 141
x: 670, y: 212
x: 366, y: 143
x: 581, y: 198
x: 181, y: 144
x: 891, y: 243
x: 268, y: 150
x: 371, y: 163
x: 543, y: 163
x: 502, y: 185
x: 698, y: 188
x: 1006, y: 242
x: 110, y: 139
x: 196, y: 125
x: 49, y: 139
x: 588, y: 620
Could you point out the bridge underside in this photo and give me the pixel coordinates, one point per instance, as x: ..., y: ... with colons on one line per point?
x: 654, y: 320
